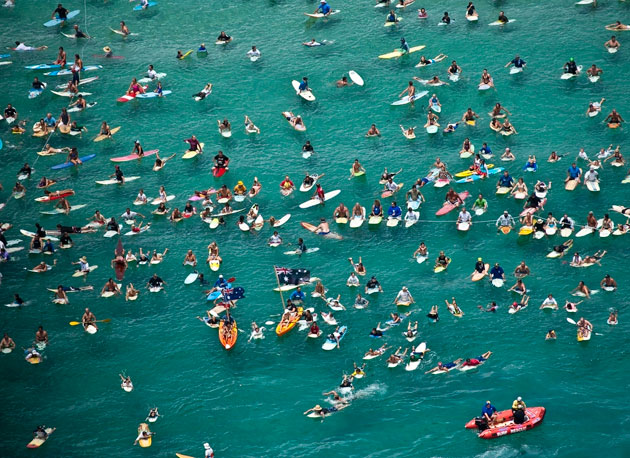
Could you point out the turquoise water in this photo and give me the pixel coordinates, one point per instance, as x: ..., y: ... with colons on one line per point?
x: 249, y: 401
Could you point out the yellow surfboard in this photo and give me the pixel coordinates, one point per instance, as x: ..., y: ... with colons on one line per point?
x: 100, y: 138
x: 186, y: 55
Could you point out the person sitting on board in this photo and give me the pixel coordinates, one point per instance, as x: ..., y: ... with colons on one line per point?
x: 549, y: 302
x: 497, y: 272
x: 608, y: 282
x: 571, y: 67
x: 322, y: 228
x: 223, y: 37
x: 144, y: 435
x: 503, y: 18
x: 373, y: 283
x: 464, y: 217
x: 391, y: 17
x: 341, y: 212
x: 40, y: 433
x: 88, y: 319
x: 323, y: 8
x: 7, y: 342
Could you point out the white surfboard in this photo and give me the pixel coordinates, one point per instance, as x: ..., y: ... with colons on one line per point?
x: 314, y: 202
x: 356, y: 78
x: 306, y: 95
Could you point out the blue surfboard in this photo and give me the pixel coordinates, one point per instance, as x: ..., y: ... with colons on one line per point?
x: 65, y: 165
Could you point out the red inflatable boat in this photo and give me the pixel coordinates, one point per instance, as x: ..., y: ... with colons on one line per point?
x: 505, y: 425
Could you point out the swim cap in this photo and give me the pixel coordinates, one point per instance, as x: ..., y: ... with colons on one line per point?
x: 514, y: 303
x: 478, y: 259
x: 220, y: 276
x: 519, y: 399
x: 487, y: 402
x: 107, y: 49
x: 571, y: 59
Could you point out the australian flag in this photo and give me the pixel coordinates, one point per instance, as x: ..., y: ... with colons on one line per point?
x: 292, y: 276
x: 233, y: 294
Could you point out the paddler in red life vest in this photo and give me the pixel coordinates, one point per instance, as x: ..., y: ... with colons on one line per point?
x: 319, y: 193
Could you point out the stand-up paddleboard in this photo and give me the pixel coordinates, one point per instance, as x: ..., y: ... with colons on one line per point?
x: 502, y: 23
x: 65, y: 165
x: 314, y: 202
x: 131, y: 157
x: 356, y: 78
x: 399, y: 52
x: 568, y: 76
x: 321, y: 15
x: 406, y: 99
x: 306, y: 95
x: 57, y: 21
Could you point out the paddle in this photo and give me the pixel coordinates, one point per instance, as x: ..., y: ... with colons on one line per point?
x: 75, y: 323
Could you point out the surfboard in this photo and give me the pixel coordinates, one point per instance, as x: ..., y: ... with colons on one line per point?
x: 57, y: 21
x: 115, y: 181
x: 405, y: 100
x: 399, y: 52
x: 356, y: 78
x: 567, y: 76
x: 502, y: 23
x: 321, y: 15
x: 140, y: 8
x: 314, y: 202
x: 131, y: 157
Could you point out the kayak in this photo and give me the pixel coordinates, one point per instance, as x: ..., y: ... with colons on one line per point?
x: 228, y: 345
x: 131, y: 157
x: 331, y: 344
x: 313, y: 202
x: 505, y: 425
x: 284, y: 327
x: 36, y: 443
x: 65, y: 165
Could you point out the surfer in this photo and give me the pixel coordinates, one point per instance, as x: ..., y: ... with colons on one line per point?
x: 469, y: 116
x: 503, y: 18
x: 7, y: 342
x: 608, y: 283
x: 612, y: 43
x: 373, y: 131
x: 323, y: 8
x: 486, y: 79
x: 322, y: 228
x: 571, y: 67
x: 517, y: 62
x: 410, y: 90
x: 224, y: 38
x: 614, y: 118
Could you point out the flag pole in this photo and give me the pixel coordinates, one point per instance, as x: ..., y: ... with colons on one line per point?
x: 279, y: 288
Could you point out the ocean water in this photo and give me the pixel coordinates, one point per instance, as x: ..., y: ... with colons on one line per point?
x: 249, y: 401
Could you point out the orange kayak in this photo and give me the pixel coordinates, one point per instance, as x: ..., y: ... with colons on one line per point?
x: 284, y: 327
x: 228, y: 343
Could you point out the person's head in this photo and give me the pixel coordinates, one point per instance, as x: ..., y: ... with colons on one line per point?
x: 519, y: 399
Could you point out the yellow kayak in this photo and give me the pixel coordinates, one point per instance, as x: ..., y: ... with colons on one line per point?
x: 284, y: 327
